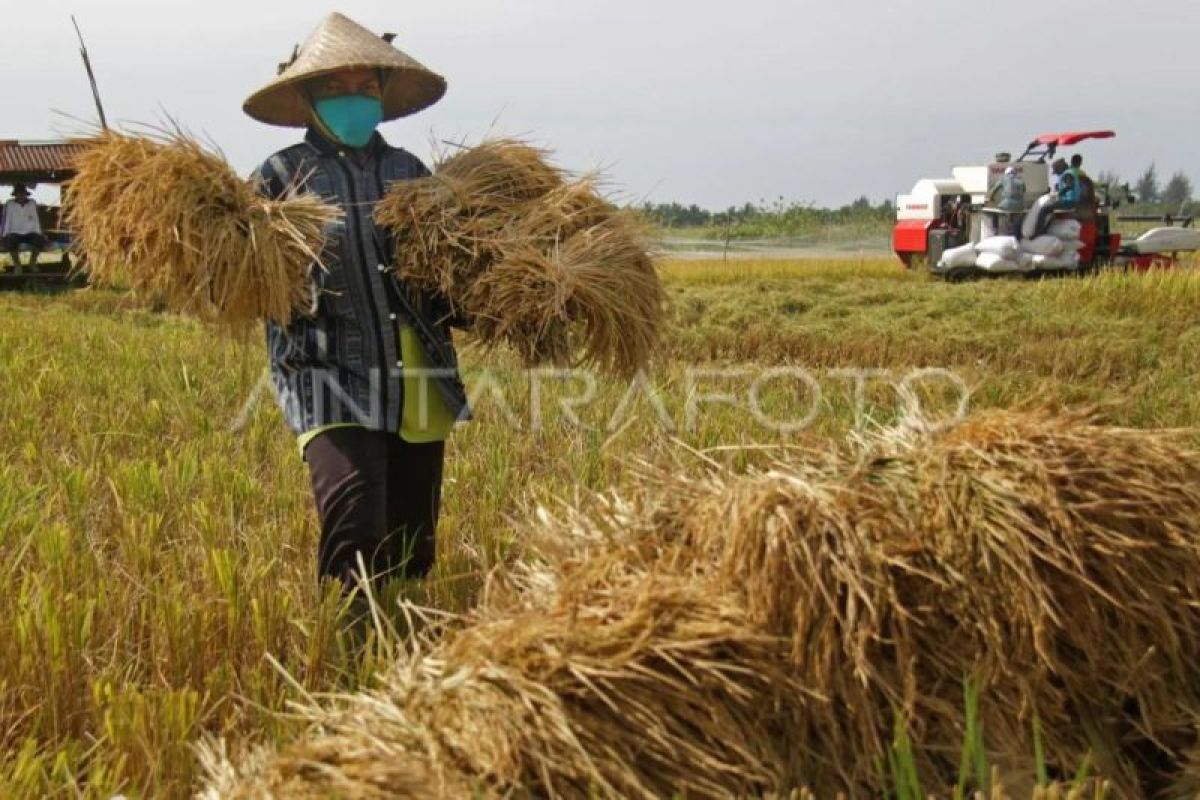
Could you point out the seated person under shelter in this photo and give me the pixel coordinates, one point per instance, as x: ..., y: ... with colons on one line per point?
x: 21, y: 227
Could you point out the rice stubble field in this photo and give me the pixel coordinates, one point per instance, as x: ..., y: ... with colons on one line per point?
x: 156, y: 524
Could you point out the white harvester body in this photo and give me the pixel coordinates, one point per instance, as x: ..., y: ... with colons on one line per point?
x: 926, y: 225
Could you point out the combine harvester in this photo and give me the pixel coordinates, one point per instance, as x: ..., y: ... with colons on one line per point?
x: 924, y: 229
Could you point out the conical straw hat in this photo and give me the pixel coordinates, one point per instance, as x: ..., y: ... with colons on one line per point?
x: 341, y: 43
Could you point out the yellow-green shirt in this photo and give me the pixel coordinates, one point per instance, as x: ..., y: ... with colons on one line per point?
x: 434, y: 425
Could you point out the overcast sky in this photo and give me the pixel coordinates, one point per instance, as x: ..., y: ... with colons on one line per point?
x: 716, y: 103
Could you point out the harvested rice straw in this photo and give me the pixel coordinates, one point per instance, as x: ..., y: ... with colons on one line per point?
x: 501, y: 172
x: 451, y: 223
x: 649, y: 687
x: 1053, y: 560
x: 1072, y: 552
x: 543, y: 265
x: 749, y: 635
x: 568, y: 299
x: 1187, y: 780
x: 1029, y: 552
x: 179, y: 227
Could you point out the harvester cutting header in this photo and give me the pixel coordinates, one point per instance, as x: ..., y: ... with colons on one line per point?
x: 1037, y: 214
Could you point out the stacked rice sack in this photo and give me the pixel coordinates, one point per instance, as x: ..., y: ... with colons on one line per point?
x: 1057, y: 249
x: 532, y: 259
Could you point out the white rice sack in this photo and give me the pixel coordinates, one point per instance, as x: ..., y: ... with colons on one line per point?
x: 993, y: 262
x: 1066, y: 261
x: 1043, y: 246
x: 1072, y: 246
x: 1004, y: 246
x: 1029, y: 225
x: 1066, y: 229
x: 958, y: 257
x: 1025, y: 261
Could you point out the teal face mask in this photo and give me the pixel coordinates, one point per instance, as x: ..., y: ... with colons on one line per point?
x: 351, y: 118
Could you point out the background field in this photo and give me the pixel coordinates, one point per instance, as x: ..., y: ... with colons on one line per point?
x: 153, y: 551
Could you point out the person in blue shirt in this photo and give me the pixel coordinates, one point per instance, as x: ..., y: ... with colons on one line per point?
x: 1067, y: 195
x: 1068, y: 187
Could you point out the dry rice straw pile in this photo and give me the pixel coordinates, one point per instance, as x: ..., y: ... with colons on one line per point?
x: 178, y: 226
x: 749, y: 635
x: 1056, y: 561
x: 533, y: 260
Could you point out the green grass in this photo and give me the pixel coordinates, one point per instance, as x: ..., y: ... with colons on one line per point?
x: 152, y: 556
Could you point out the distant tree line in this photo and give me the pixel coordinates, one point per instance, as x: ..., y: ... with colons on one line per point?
x: 863, y: 218
x: 777, y: 219
x: 1148, y: 193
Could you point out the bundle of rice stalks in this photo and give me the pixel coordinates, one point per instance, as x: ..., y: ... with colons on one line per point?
x: 795, y: 547
x: 535, y: 261
x: 745, y: 635
x: 642, y: 687
x: 1053, y: 561
x: 179, y: 227
x: 1069, y: 554
x: 1187, y: 779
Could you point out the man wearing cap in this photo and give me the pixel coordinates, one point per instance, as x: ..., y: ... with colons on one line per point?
x: 368, y: 381
x: 22, y: 227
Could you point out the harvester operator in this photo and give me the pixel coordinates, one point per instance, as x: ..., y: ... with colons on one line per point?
x: 368, y: 382
x: 1066, y: 195
x: 21, y: 227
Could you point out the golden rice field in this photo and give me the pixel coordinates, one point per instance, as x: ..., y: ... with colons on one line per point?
x: 156, y: 531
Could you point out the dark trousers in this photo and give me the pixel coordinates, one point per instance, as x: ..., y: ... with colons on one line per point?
x: 378, y: 497
x: 36, y: 242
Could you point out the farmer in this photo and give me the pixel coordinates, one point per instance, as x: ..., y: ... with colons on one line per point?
x: 1087, y: 188
x: 960, y: 218
x: 1077, y: 168
x: 1008, y: 197
x: 1066, y: 195
x: 21, y: 227
x: 368, y: 380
